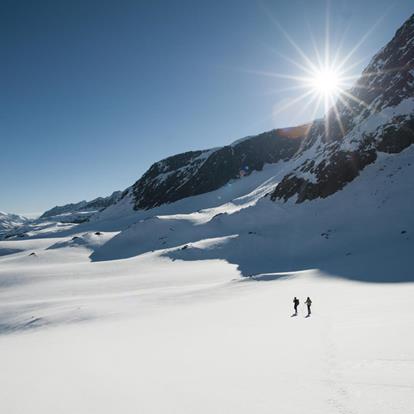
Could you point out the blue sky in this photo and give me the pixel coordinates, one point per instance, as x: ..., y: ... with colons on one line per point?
x: 94, y: 92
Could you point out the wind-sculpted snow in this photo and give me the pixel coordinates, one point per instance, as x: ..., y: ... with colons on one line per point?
x: 87, y: 240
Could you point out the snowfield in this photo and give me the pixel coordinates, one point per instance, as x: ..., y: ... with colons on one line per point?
x: 187, y: 308
x: 156, y: 337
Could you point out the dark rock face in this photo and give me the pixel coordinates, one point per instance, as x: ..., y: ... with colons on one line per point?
x: 389, y: 77
x: 344, y: 167
x: 395, y: 139
x: 343, y: 143
x: 198, y: 172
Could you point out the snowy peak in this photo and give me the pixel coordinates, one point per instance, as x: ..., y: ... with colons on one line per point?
x: 198, y: 172
x: 376, y: 115
x: 385, y: 82
x: 389, y: 77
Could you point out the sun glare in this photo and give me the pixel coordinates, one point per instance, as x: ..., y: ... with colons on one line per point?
x: 325, y: 75
x: 326, y: 82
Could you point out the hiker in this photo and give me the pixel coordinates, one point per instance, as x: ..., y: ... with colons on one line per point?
x: 296, y: 304
x: 308, y: 304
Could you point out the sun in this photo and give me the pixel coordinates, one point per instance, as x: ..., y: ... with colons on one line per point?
x: 326, y: 82
x: 321, y: 77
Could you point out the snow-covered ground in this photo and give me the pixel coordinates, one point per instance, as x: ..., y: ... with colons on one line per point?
x: 187, y: 308
x: 151, y: 336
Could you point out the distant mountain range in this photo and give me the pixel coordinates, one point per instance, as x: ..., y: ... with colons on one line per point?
x: 8, y: 222
x: 81, y: 211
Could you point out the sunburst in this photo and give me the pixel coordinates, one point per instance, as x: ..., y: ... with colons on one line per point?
x: 325, y: 81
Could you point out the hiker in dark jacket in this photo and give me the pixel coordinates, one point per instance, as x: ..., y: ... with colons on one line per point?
x: 295, y: 304
x: 308, y: 304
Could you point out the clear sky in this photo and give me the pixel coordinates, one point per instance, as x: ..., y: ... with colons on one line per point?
x: 93, y: 92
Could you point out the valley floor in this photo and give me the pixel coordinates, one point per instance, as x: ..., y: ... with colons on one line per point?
x: 151, y: 335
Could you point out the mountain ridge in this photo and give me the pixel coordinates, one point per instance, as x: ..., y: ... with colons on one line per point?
x: 85, y: 208
x: 197, y: 172
x: 319, y: 159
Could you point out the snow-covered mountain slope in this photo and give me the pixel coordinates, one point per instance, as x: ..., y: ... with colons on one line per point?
x: 9, y: 222
x: 375, y: 116
x: 198, y: 172
x: 364, y: 232
x: 122, y: 214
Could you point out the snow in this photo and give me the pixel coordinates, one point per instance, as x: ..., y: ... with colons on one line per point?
x: 130, y: 316
x: 213, y: 343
